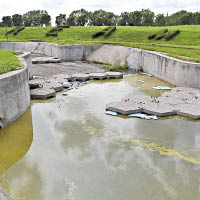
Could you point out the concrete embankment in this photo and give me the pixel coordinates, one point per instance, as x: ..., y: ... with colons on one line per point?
x: 174, y: 71
x: 63, y: 52
x: 14, y: 92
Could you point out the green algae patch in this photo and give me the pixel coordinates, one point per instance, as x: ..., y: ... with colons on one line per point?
x: 15, y: 141
x: 8, y: 61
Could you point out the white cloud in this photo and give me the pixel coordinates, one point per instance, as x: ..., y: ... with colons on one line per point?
x: 55, y: 7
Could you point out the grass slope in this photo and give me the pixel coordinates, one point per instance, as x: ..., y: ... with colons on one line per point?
x: 184, y: 46
x: 8, y: 61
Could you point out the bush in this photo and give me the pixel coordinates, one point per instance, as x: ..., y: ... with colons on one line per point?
x: 53, y: 32
x: 16, y: 30
x: 159, y: 35
x: 150, y: 37
x: 171, y: 35
x: 110, y: 31
x: 98, y: 34
x: 106, y: 32
x: 19, y: 29
x: 65, y: 26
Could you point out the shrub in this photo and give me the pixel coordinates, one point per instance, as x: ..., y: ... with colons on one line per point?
x: 171, y: 35
x: 19, y: 29
x: 65, y: 26
x: 159, y: 35
x: 53, y: 32
x: 98, y: 34
x: 16, y: 30
x: 110, y: 31
x: 106, y: 32
x: 150, y: 37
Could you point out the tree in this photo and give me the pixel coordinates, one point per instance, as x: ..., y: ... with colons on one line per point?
x: 61, y: 20
x: 160, y: 20
x: 33, y: 18
x: 124, y: 19
x: 186, y: 19
x: 17, y: 20
x: 46, y: 20
x: 196, y: 18
x: 135, y: 18
x: 102, y: 18
x: 7, y: 21
x: 174, y: 19
x: 147, y: 17
x: 78, y: 18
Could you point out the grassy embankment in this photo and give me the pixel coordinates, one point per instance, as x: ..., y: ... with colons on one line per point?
x: 185, y: 46
x: 8, y: 61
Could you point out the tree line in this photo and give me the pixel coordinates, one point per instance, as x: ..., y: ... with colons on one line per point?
x: 82, y: 17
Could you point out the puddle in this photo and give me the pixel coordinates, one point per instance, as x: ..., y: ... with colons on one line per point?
x: 79, y: 153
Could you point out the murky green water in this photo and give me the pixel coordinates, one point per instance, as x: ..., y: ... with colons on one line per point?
x: 79, y: 153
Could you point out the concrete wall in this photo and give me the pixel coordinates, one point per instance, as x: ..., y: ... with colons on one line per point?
x: 14, y: 94
x: 66, y: 53
x: 174, y: 71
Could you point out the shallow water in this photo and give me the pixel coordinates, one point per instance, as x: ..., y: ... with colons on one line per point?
x: 78, y: 152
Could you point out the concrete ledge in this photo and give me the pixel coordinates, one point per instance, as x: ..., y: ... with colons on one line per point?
x: 175, y: 71
x: 180, y: 101
x: 14, y: 93
x: 63, y: 52
x: 3, y: 195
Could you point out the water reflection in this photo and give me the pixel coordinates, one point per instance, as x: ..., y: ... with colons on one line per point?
x: 15, y: 141
x: 78, y: 152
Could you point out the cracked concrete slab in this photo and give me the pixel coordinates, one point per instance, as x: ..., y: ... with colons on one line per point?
x: 179, y: 101
x: 98, y: 76
x: 43, y: 60
x: 42, y: 93
x: 58, y: 87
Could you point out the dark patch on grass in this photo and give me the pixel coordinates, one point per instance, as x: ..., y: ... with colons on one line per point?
x: 171, y: 35
x: 105, y: 32
x: 159, y: 35
x: 110, y: 31
x: 15, y: 31
x: 53, y: 31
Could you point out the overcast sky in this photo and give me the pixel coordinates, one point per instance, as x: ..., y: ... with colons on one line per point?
x: 55, y: 7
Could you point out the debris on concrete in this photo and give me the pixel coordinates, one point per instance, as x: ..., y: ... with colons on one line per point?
x: 108, y: 112
x: 138, y: 115
x: 179, y: 101
x: 53, y: 85
x: 161, y: 88
x: 36, y: 83
x: 141, y: 81
x: 147, y: 74
x: 144, y: 116
x: 67, y: 84
x: 43, y: 60
x: 38, y: 77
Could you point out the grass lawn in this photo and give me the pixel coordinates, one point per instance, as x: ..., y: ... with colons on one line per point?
x: 8, y: 61
x: 185, y: 46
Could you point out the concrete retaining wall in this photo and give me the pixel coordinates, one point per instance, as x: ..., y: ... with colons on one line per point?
x: 174, y: 71
x: 14, y: 93
x: 66, y: 53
